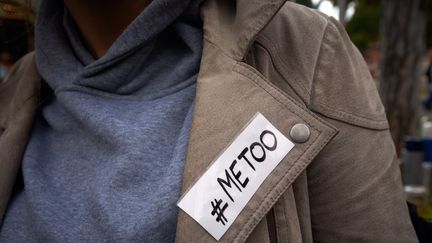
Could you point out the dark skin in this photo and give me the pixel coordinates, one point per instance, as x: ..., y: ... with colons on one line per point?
x: 101, y: 22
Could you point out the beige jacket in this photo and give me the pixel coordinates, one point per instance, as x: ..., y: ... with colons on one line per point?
x: 293, y: 65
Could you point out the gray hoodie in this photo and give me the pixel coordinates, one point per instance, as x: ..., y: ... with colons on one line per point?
x: 106, y: 153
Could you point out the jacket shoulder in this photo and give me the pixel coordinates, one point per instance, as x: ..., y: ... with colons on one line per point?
x: 292, y: 40
x: 316, y: 61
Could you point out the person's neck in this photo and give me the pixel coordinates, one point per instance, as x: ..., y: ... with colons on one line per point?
x: 101, y: 22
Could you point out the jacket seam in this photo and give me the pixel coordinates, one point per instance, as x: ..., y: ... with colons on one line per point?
x: 278, y: 70
x: 280, y: 60
x: 271, y: 199
x: 358, y: 117
x: 224, y: 53
x: 240, y: 65
x: 317, y: 63
x: 256, y: 29
x: 298, y: 167
x: 285, y: 213
x: 276, y: 98
x: 244, y: 40
x: 276, y: 229
x: 332, y: 112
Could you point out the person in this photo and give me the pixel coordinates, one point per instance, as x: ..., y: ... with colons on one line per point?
x: 125, y: 104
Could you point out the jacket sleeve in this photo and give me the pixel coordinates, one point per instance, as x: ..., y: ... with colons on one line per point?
x: 354, y: 184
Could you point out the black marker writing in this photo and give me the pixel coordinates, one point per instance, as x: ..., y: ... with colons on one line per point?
x: 227, y: 182
x: 217, y: 210
x: 238, y: 174
x: 242, y: 155
x: 268, y: 142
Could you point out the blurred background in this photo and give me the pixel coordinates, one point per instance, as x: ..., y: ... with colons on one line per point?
x: 395, y: 38
x: 16, y: 32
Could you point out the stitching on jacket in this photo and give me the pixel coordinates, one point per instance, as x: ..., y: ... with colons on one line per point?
x: 237, y: 68
x: 278, y: 70
x: 331, y: 112
x: 356, y: 118
x: 285, y: 205
x: 253, y: 222
x: 317, y: 63
x: 295, y: 167
x: 226, y: 54
x: 282, y: 103
x: 244, y: 39
x: 282, y: 61
x: 271, y: 10
x: 284, y: 210
x: 276, y: 218
x: 261, y: 45
x: 296, y: 170
x: 270, y: 199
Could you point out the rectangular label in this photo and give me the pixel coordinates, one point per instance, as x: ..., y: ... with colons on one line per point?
x: 220, y: 194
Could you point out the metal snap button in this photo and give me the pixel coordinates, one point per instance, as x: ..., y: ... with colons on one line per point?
x: 300, y: 133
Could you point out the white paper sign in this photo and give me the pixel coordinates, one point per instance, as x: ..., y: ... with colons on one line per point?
x: 221, y: 193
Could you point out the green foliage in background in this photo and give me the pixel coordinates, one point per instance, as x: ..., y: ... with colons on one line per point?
x: 363, y: 28
x: 307, y: 3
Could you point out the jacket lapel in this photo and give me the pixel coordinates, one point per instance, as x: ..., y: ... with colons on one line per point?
x: 229, y: 94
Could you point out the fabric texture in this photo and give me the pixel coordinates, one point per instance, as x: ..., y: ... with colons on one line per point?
x: 106, y: 153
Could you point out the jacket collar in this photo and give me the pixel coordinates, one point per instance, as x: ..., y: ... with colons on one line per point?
x: 233, y: 24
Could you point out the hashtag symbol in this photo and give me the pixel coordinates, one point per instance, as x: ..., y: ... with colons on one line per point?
x: 219, y: 211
